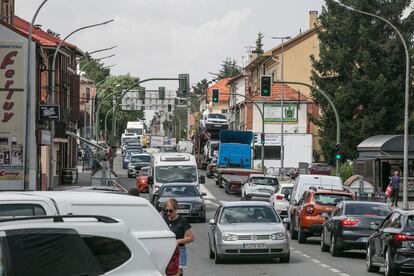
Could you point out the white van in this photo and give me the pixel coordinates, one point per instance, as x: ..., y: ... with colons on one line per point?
x: 304, y: 181
x: 173, y: 167
x: 145, y: 223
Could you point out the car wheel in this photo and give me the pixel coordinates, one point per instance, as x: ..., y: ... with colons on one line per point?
x: 389, y: 269
x: 203, y: 218
x: 217, y: 258
x: 335, y: 251
x: 285, y: 259
x: 211, y: 255
x: 301, y: 235
x: 370, y: 267
x: 324, y: 247
x: 293, y: 233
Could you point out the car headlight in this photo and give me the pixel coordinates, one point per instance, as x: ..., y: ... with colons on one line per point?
x: 197, y: 206
x: 277, y: 236
x: 229, y: 237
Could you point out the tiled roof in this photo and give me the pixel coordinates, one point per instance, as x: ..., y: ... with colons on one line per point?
x: 223, y: 86
x: 40, y: 36
x: 289, y: 94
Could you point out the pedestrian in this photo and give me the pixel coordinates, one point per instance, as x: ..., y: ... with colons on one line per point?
x: 181, y: 228
x: 395, y: 184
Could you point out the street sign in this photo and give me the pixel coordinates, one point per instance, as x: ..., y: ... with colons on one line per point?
x: 49, y: 112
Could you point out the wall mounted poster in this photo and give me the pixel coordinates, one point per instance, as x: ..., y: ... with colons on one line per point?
x: 12, y: 112
x: 272, y: 112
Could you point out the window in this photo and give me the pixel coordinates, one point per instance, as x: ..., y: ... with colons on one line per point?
x: 21, y: 210
x: 140, y: 159
x: 338, y: 210
x: 270, y: 152
x: 286, y: 190
x: 164, y: 174
x: 248, y: 214
x: 330, y: 199
x: 409, y: 226
x: 266, y: 181
x: 366, y: 209
x: 395, y: 221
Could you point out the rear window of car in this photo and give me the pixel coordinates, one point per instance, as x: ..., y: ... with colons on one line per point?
x: 330, y: 199
x: 286, y: 190
x: 410, y: 224
x: 248, y: 214
x: 367, y: 209
x: 21, y: 210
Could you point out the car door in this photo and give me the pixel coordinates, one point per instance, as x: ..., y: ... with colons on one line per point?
x: 298, y: 208
x: 376, y: 243
x: 332, y: 222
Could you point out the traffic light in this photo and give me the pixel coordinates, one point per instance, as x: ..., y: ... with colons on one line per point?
x: 338, y: 154
x: 262, y: 138
x: 184, y: 84
x: 215, y: 95
x: 265, y: 86
x: 169, y: 108
x: 161, y: 92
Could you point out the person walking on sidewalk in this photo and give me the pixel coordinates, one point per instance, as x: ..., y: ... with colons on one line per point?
x: 180, y: 227
x: 395, y: 183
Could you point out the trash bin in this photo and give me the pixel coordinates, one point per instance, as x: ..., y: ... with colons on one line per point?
x: 69, y: 176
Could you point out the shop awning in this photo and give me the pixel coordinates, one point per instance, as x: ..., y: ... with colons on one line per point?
x: 385, y: 147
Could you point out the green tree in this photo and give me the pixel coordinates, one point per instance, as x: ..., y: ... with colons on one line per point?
x: 361, y: 66
x: 259, y: 43
x: 229, y: 69
x: 93, y: 69
x: 114, y: 85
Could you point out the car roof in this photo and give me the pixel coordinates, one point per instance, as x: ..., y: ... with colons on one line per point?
x: 334, y: 192
x: 172, y: 184
x: 140, y: 154
x: 245, y: 203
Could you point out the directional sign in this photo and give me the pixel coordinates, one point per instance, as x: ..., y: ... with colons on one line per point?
x: 49, y: 112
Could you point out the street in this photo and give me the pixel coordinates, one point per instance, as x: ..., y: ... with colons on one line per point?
x: 305, y: 258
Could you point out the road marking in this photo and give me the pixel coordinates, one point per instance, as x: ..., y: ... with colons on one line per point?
x: 203, y: 189
x: 334, y: 270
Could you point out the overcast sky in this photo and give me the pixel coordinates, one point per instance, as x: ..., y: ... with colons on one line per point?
x: 162, y: 38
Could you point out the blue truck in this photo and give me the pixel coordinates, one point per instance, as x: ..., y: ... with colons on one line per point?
x: 234, y: 164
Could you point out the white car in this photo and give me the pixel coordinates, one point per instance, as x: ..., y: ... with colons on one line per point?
x: 74, y: 245
x: 259, y: 186
x: 280, y: 199
x: 156, y: 239
x: 214, y: 121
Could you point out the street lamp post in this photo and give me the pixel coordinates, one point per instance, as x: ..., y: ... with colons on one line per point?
x: 282, y: 105
x: 406, y: 96
x: 29, y: 97
x: 96, y: 59
x: 52, y: 87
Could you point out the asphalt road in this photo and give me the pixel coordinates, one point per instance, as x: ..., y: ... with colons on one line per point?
x: 306, y: 259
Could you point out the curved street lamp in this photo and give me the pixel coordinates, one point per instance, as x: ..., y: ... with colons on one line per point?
x: 407, y: 95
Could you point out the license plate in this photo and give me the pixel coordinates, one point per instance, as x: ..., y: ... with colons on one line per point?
x: 217, y: 125
x: 264, y: 191
x: 183, y: 211
x: 254, y: 245
x: 363, y: 239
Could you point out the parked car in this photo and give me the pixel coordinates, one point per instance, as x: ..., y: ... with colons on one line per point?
x: 154, y: 235
x: 190, y: 201
x: 320, y: 169
x: 210, y: 168
x: 392, y: 245
x: 351, y: 224
x: 136, y: 162
x: 306, y: 216
x: 247, y: 229
x: 280, y: 199
x: 259, y: 186
x: 142, y: 179
x: 82, y: 245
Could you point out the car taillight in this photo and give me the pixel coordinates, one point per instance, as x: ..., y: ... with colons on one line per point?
x: 280, y: 197
x: 309, y: 209
x: 349, y: 222
x: 173, y: 266
x: 403, y: 237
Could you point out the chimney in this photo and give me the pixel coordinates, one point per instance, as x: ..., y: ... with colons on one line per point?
x: 313, y: 19
x: 7, y: 11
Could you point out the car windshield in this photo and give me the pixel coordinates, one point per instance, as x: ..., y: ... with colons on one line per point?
x: 409, y: 226
x: 217, y: 116
x: 129, y: 141
x: 179, y: 191
x: 366, y: 209
x: 165, y: 174
x: 140, y: 159
x: 264, y: 181
x: 144, y: 172
x: 330, y: 199
x: 286, y: 190
x: 169, y: 149
x: 248, y: 214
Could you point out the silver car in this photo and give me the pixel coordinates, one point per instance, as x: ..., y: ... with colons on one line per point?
x: 247, y: 229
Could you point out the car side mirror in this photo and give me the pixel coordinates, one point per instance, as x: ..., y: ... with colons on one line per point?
x: 150, y: 180
x: 202, y: 179
x: 325, y: 215
x: 212, y: 222
x: 286, y: 220
x: 293, y: 202
x: 203, y: 194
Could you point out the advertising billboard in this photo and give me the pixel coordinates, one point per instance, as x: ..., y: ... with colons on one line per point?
x: 12, y: 112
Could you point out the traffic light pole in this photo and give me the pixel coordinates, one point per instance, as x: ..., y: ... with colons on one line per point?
x: 338, y: 122
x: 263, y: 123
